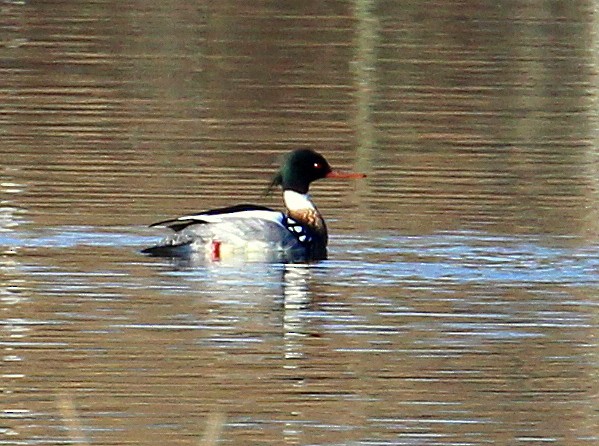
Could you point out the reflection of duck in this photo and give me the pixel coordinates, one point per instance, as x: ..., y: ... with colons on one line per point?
x: 250, y: 231
x: 296, y: 302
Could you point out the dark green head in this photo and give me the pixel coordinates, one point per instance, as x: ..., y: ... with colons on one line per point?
x: 299, y: 169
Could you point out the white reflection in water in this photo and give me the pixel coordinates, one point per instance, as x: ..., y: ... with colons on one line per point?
x: 296, y: 300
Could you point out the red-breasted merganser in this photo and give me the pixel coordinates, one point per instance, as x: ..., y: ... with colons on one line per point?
x: 243, y: 230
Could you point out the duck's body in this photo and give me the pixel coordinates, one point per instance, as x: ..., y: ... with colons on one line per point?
x: 256, y: 232
x: 248, y: 232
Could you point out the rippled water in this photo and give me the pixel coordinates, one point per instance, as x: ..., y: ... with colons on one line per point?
x: 459, y: 302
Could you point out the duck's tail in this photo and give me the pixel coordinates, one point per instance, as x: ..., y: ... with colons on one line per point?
x: 169, y: 250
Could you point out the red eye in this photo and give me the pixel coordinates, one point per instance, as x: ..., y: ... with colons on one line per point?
x: 317, y: 166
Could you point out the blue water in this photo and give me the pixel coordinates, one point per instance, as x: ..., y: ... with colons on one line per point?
x: 379, y: 258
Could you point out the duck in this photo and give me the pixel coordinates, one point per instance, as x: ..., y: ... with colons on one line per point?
x: 299, y: 234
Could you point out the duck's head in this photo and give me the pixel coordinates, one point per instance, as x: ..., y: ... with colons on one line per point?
x: 303, y: 166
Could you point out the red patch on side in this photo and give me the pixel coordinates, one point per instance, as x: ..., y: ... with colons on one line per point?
x: 215, y: 251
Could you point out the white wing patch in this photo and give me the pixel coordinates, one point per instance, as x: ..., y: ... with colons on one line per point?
x: 301, y: 233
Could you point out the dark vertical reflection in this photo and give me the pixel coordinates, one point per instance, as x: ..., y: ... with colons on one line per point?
x: 365, y: 78
x: 364, y: 67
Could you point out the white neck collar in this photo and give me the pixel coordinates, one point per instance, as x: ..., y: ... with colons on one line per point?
x: 294, y: 201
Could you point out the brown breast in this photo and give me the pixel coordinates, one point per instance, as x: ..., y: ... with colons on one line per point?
x: 312, y: 219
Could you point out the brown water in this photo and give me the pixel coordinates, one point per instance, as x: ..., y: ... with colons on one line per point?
x: 460, y: 303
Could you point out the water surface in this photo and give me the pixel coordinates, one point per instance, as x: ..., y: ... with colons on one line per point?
x: 459, y: 302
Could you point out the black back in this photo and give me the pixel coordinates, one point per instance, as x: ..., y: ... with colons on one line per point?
x: 178, y: 224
